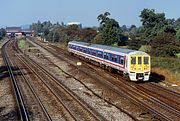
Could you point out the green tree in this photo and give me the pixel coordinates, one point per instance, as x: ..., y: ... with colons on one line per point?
x: 178, y: 34
x: 170, y: 29
x: 2, y: 33
x: 155, y: 23
x: 165, y: 44
x: 87, y: 34
x: 134, y: 43
x: 109, y: 30
x: 177, y: 27
x: 152, y: 23
x: 98, y: 39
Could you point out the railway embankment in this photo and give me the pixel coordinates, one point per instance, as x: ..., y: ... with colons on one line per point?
x: 169, y: 69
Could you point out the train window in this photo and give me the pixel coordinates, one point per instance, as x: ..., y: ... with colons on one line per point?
x: 89, y: 51
x: 94, y: 52
x: 81, y: 49
x: 100, y: 54
x: 146, y: 60
x: 122, y: 61
x: 114, y: 58
x: 74, y: 47
x: 84, y: 50
x: 77, y: 48
x: 139, y: 60
x: 133, y: 60
x: 105, y: 56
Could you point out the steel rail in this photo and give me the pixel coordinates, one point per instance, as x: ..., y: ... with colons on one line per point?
x: 163, y: 88
x: 50, y: 89
x: 72, y: 94
x: 31, y: 87
x: 162, y: 100
x: 35, y: 94
x: 18, y: 94
x: 22, y: 60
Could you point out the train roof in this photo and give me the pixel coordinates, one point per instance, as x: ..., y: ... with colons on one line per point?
x: 105, y: 47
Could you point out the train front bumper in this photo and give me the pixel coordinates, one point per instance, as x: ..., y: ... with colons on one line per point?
x: 139, y: 76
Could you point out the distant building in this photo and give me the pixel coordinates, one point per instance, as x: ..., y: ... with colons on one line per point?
x: 13, y: 31
x: 27, y: 32
x: 18, y: 31
x: 75, y: 23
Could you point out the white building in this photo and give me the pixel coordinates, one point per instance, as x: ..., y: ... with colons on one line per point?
x: 75, y: 23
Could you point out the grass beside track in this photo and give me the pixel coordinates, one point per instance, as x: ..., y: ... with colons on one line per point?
x: 172, y: 64
x: 61, y: 45
x: 168, y: 67
x: 23, y: 44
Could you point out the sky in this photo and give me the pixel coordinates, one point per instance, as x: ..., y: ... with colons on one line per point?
x: 126, y: 12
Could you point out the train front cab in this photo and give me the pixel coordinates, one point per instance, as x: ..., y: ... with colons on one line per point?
x: 139, y: 69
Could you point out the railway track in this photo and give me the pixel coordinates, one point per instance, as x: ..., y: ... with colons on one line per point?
x: 34, y: 106
x: 168, y: 95
x: 161, y: 107
x: 45, y: 115
x: 70, y: 101
x: 18, y: 94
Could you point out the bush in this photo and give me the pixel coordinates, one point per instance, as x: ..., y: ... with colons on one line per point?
x: 165, y: 45
x: 178, y: 55
x: 145, y: 48
x: 134, y: 43
x: 166, y: 62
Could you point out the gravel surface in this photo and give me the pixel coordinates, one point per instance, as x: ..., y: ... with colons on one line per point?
x: 108, y: 111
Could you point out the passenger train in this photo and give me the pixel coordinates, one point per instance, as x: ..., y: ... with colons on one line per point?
x: 133, y: 64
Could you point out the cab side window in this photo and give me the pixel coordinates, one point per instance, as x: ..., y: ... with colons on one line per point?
x: 139, y: 60
x: 133, y: 60
x: 146, y: 60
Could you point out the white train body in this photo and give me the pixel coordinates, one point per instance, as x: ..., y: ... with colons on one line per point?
x: 134, y: 64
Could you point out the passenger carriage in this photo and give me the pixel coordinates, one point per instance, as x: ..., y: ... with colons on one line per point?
x: 134, y: 64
